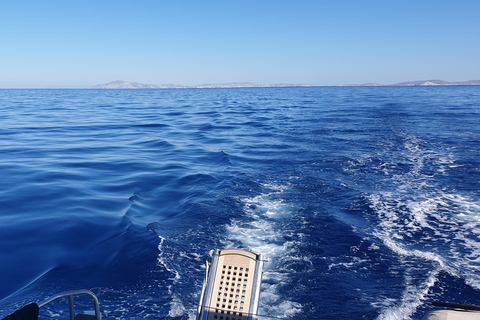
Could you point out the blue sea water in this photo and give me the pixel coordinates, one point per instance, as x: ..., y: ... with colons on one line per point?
x: 366, y: 200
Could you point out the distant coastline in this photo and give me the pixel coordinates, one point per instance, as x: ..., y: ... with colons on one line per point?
x: 418, y: 83
x: 120, y: 84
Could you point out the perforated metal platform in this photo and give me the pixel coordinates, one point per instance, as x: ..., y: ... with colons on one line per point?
x: 231, y: 290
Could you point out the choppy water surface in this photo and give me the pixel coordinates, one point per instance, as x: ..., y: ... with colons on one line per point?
x: 366, y: 200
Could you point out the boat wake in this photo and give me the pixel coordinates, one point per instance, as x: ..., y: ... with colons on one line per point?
x: 415, y: 222
x: 263, y: 230
x: 261, y: 227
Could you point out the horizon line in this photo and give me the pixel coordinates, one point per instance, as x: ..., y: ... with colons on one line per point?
x: 132, y: 85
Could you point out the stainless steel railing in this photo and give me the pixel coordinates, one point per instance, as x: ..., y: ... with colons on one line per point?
x: 71, y: 295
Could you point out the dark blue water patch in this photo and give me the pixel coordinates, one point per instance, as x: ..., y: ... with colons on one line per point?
x: 175, y: 114
x: 59, y: 241
x: 152, y: 125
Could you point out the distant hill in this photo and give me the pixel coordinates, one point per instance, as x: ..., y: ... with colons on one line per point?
x: 420, y: 83
x: 120, y: 84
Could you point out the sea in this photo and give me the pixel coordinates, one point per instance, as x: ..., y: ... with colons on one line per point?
x: 364, y: 200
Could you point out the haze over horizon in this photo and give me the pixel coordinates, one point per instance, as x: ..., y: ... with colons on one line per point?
x: 57, y: 44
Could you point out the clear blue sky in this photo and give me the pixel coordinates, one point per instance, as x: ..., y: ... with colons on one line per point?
x: 67, y: 43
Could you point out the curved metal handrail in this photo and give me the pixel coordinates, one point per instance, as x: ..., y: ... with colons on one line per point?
x: 71, y: 295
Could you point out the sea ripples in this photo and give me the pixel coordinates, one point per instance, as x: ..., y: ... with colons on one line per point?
x: 364, y: 200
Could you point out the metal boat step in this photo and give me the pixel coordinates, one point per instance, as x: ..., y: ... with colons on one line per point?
x: 231, y: 290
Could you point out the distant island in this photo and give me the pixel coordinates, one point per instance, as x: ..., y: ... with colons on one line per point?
x: 418, y: 83
x: 120, y: 84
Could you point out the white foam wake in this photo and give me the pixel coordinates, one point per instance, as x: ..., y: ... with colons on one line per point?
x: 429, y: 228
x: 177, y: 307
x: 261, y: 231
